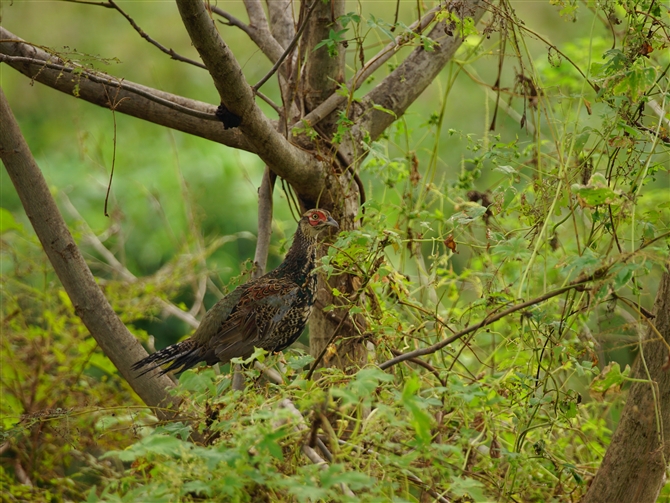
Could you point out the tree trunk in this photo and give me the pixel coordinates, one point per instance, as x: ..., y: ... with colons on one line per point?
x: 636, y: 461
x: 118, y: 344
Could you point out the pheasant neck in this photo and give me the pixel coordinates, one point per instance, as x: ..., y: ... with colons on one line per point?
x: 300, y: 259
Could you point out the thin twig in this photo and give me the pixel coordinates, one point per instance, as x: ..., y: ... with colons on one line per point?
x: 262, y: 38
x: 93, y: 240
x: 486, y: 321
x: 145, y: 36
x: 311, y: 454
x: 423, y: 364
x: 288, y: 50
x: 267, y: 100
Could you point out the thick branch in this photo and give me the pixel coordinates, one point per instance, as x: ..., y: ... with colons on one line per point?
x: 301, y: 169
x: 335, y: 100
x: 105, y: 92
x: 264, y: 223
x: 636, y: 460
x: 89, y: 303
x: 406, y: 83
x: 281, y: 21
x: 322, y: 71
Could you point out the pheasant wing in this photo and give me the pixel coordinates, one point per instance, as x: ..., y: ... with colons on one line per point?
x: 251, y: 323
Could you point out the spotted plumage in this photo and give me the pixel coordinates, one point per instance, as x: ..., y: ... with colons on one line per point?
x: 269, y: 312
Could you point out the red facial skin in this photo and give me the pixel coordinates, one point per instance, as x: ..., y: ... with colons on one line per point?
x: 317, y: 217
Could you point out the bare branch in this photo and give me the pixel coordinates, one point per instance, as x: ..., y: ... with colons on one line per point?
x: 257, y: 18
x: 335, y: 100
x: 289, y: 49
x: 301, y: 169
x: 155, y: 43
x: 93, y: 240
x: 406, y: 83
x: 264, y: 223
x: 143, y: 102
x: 485, y: 322
x: 262, y: 38
x: 281, y: 21
x: 89, y: 303
x: 310, y: 453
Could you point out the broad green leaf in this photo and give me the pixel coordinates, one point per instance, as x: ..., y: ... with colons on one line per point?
x: 610, y: 377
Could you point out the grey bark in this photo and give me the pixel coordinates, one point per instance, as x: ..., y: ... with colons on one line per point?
x: 125, y: 102
x: 322, y: 72
x: 636, y: 460
x: 398, y: 90
x: 118, y: 344
x: 281, y: 21
x: 261, y: 37
x: 305, y: 173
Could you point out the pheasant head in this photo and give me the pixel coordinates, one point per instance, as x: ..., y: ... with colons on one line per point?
x: 315, y: 221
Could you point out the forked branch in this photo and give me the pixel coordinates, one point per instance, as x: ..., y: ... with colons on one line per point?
x: 301, y: 169
x: 406, y: 83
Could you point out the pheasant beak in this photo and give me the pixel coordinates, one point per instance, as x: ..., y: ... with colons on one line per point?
x: 332, y: 222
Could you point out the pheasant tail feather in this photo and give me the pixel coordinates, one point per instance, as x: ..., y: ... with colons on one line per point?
x: 184, y: 354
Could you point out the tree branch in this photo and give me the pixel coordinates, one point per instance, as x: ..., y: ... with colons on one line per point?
x: 89, y: 236
x: 486, y: 321
x: 177, y: 57
x: 406, y: 83
x: 120, y: 346
x: 335, y: 100
x: 282, y: 25
x: 264, y: 223
x: 162, y: 108
x: 262, y: 38
x: 298, y: 167
x: 636, y: 460
x: 288, y: 49
x: 323, y: 71
x: 155, y: 43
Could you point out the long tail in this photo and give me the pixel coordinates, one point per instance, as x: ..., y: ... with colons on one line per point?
x: 185, y: 354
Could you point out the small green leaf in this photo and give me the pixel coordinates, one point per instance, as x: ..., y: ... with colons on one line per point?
x: 7, y: 222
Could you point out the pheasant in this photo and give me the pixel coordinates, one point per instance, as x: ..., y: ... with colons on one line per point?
x: 269, y: 312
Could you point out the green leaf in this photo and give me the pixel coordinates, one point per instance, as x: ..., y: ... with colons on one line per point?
x: 385, y: 110
x: 199, y: 382
x: 196, y: 487
x: 636, y: 82
x: 421, y: 420
x: 624, y: 274
x: 269, y: 443
x: 610, y: 377
x: 7, y: 222
x: 590, y: 198
x: 508, y: 170
x: 156, y: 444
x: 595, y: 193
x: 337, y: 474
